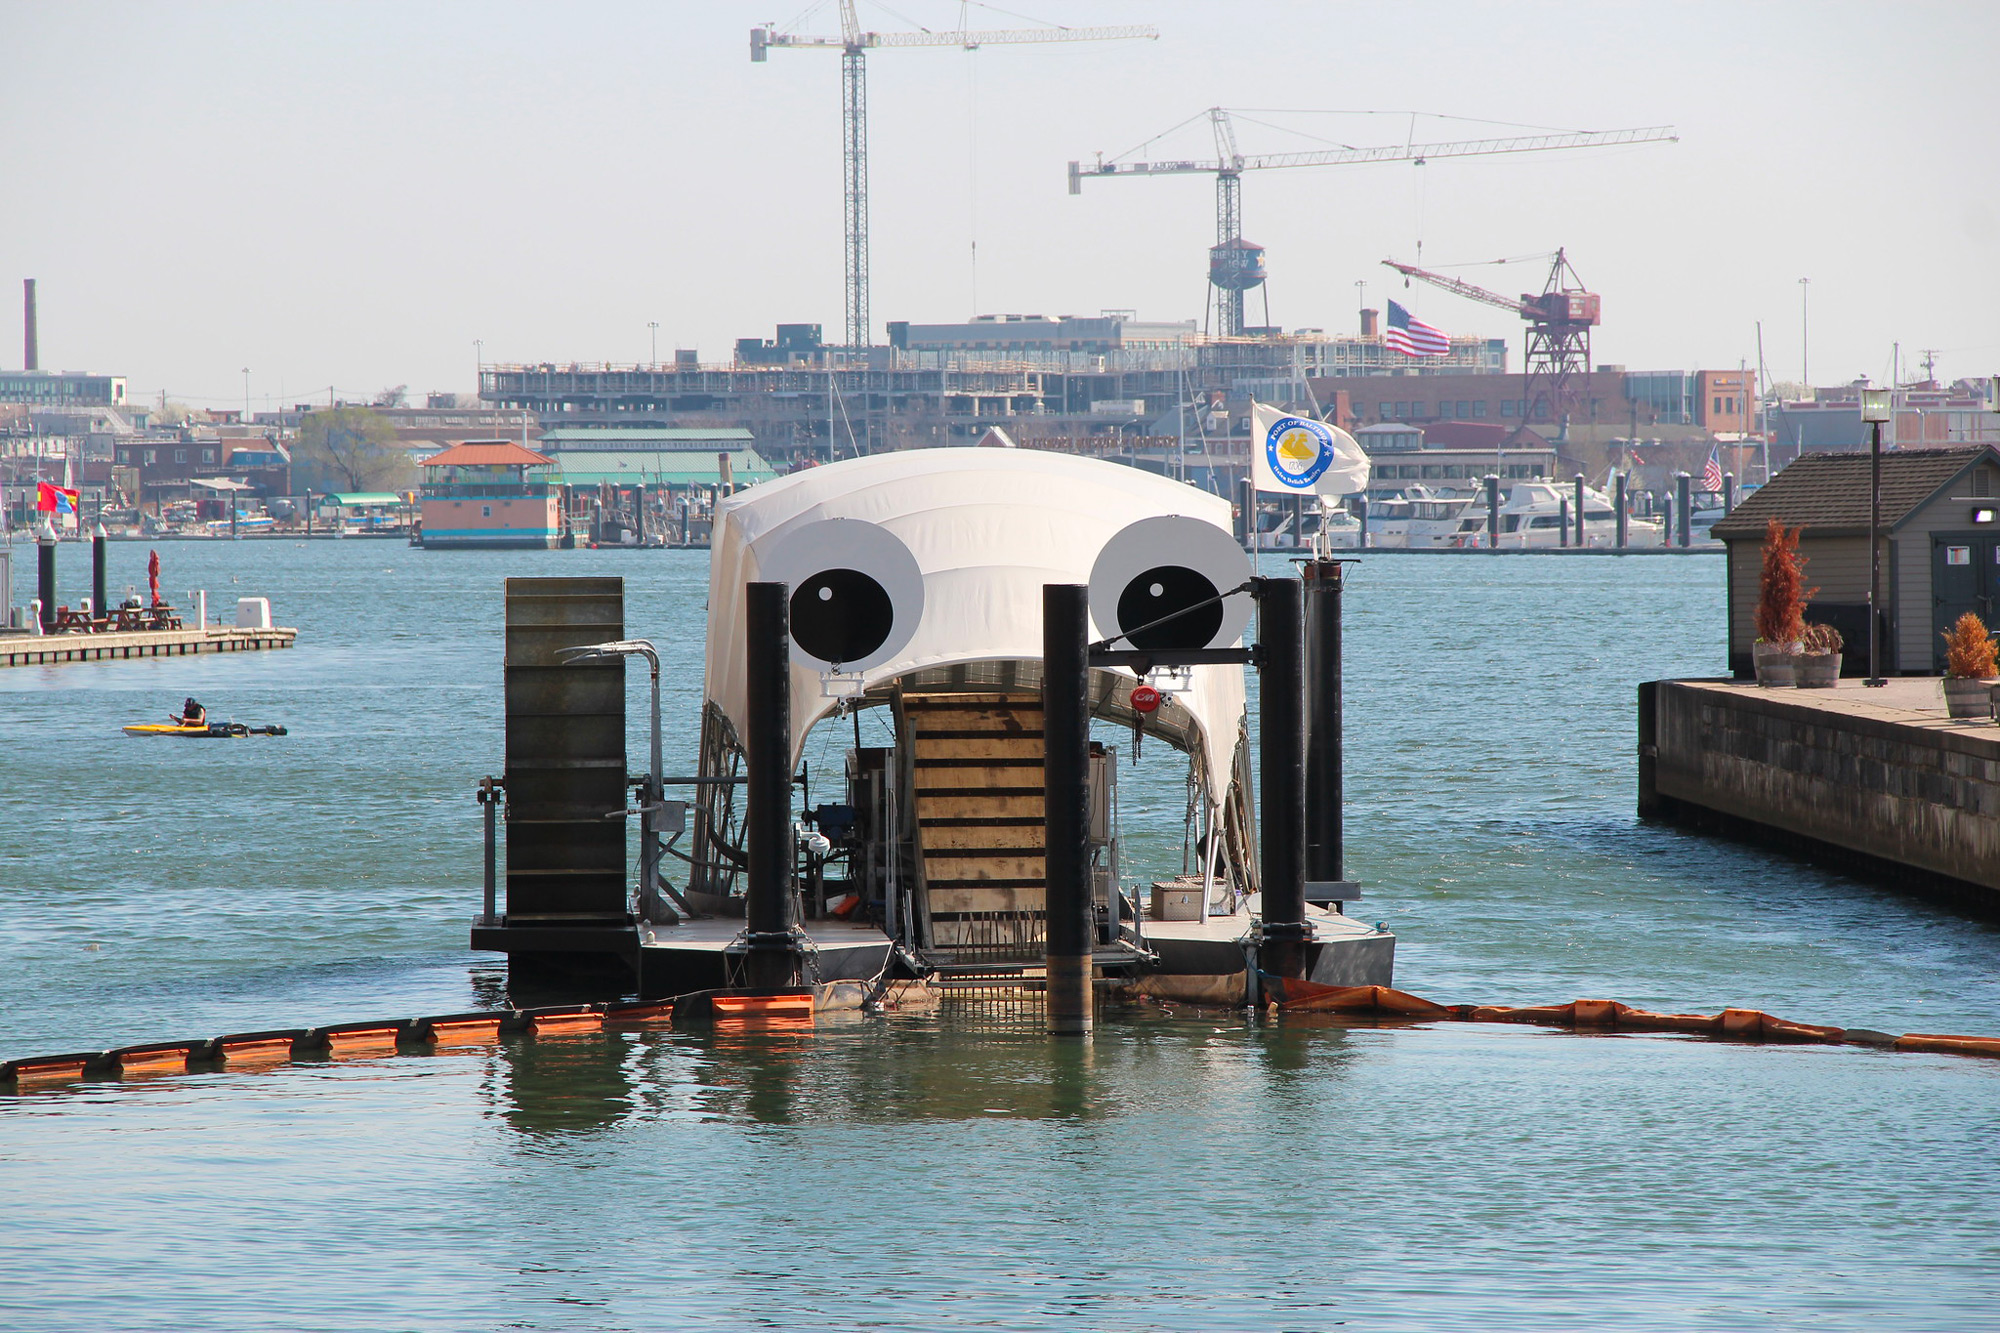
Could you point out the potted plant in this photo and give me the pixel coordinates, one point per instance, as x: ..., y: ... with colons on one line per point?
x: 1781, y: 606
x: 1969, y: 668
x: 1819, y: 658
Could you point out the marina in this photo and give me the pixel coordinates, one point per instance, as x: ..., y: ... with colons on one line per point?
x: 1552, y: 889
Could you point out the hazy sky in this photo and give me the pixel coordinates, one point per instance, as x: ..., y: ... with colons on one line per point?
x: 350, y: 194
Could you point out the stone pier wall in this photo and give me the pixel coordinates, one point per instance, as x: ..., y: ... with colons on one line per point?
x: 1907, y: 795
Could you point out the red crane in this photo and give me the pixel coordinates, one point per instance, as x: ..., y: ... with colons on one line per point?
x: 1559, y: 319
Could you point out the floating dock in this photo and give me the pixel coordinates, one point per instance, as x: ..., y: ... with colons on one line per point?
x: 1875, y: 781
x: 53, y: 649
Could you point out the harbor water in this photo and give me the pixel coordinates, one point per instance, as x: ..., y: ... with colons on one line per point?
x: 1182, y: 1170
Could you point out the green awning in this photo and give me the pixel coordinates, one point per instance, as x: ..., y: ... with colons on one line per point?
x: 363, y: 498
x: 649, y: 467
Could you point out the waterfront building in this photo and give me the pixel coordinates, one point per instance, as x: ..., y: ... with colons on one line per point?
x: 490, y: 493
x: 1450, y: 458
x: 61, y: 388
x: 1940, y: 549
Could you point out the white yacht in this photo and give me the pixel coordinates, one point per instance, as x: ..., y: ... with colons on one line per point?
x: 1419, y: 519
x: 1534, y: 513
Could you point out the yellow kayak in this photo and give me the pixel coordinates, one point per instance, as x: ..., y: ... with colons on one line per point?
x: 206, y: 731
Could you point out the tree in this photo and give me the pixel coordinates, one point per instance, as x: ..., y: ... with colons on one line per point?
x: 350, y: 449
x: 399, y: 396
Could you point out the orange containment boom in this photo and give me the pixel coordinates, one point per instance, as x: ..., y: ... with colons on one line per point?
x: 793, y: 1009
x: 1298, y: 996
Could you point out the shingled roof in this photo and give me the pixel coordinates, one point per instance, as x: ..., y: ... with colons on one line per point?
x: 1828, y: 493
x: 488, y: 453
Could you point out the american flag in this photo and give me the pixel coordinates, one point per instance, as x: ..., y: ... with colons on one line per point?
x: 1413, y: 337
x: 1711, y: 471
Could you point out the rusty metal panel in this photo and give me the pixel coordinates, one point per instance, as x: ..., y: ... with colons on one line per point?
x: 566, y: 761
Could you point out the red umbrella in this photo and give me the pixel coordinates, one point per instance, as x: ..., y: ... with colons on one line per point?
x: 153, y: 575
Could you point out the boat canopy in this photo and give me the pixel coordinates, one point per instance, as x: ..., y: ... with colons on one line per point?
x: 987, y: 528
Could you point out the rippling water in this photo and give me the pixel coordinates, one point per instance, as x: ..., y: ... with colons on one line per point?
x: 916, y: 1172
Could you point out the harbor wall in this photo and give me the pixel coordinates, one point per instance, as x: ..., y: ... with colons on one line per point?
x: 1909, y: 799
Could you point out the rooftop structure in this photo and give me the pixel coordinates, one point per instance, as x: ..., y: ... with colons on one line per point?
x: 61, y: 388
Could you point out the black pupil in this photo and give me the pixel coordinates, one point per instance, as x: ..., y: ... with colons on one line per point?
x: 1161, y: 591
x: 841, y: 615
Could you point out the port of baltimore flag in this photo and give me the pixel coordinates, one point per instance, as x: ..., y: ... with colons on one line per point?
x: 54, y: 499
x: 1296, y: 455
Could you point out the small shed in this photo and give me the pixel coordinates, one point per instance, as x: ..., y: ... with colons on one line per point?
x: 1940, y: 550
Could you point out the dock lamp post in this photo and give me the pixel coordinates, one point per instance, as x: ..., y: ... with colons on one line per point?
x: 652, y: 799
x: 1874, y: 411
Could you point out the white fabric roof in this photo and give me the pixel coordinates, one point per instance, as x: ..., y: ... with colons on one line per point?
x: 988, y: 528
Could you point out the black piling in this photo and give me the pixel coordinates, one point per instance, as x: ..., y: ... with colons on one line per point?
x: 1246, y: 503
x: 1683, y: 510
x: 1281, y: 773
x: 1066, y: 798
x: 98, y: 541
x: 1728, y: 492
x: 1326, y: 852
x: 1580, y: 542
x: 1492, y: 512
x: 1562, y: 529
x: 46, y: 569
x: 1361, y: 514
x: 1624, y: 519
x: 771, y: 961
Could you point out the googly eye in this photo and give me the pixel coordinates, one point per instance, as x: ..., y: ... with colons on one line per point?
x: 857, y: 592
x: 1159, y: 566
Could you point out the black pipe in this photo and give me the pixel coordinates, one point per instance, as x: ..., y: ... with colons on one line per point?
x: 1361, y: 512
x: 1066, y: 803
x: 46, y: 568
x: 1246, y: 501
x: 1492, y: 512
x: 98, y: 596
x: 1281, y: 776
x: 1683, y: 511
x: 771, y: 961
x: 1562, y: 529
x: 1580, y: 542
x: 1624, y: 523
x: 1325, y: 795
x: 1728, y: 492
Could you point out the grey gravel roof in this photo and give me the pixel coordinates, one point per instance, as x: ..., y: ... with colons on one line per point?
x: 1829, y: 492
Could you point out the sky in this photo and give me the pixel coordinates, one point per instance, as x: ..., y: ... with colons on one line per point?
x: 352, y: 196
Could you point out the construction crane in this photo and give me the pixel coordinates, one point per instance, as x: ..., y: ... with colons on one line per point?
x: 853, y: 45
x: 1559, y: 319
x: 1235, y: 265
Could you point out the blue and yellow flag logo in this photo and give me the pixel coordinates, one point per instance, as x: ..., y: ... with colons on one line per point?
x: 1299, y: 451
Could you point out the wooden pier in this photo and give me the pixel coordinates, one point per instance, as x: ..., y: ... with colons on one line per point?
x: 53, y: 649
x: 1879, y: 782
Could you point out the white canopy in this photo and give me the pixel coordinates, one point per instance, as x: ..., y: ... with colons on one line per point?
x: 988, y: 528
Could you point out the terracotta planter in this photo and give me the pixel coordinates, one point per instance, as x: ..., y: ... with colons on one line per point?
x: 1817, y: 671
x: 1776, y: 665
x: 1968, y: 698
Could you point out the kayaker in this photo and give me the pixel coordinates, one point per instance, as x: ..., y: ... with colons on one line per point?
x: 192, y: 715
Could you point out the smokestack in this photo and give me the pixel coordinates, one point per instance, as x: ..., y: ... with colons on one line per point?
x: 1368, y: 323
x: 33, y: 357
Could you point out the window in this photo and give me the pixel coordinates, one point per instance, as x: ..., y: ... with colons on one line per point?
x: 486, y: 511
x: 1433, y: 472
x: 124, y: 455
x: 1507, y: 408
x: 1982, y: 482
x: 1453, y: 472
x: 1464, y: 409
x: 1479, y: 408
x: 1954, y: 555
x: 180, y: 455
x: 208, y: 455
x: 151, y: 455
x: 1402, y: 410
x: 1382, y: 410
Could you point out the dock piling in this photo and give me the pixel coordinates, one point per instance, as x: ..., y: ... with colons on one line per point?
x: 1066, y: 798
x: 1281, y: 777
x: 1326, y: 852
x: 1580, y: 542
x: 1492, y: 512
x: 46, y: 570
x: 771, y: 961
x: 1683, y: 508
x: 98, y: 598
x: 1622, y: 513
